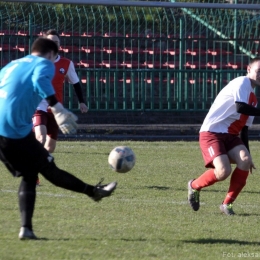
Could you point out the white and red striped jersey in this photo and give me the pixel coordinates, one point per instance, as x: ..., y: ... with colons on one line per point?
x: 64, y: 70
x: 222, y: 116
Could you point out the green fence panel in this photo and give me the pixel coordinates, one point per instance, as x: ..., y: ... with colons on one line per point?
x: 139, y: 58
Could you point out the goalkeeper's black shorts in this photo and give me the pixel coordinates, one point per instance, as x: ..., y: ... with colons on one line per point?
x: 24, y: 157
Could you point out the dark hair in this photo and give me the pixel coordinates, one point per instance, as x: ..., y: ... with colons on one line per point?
x: 253, y: 60
x: 44, y: 45
x: 52, y: 32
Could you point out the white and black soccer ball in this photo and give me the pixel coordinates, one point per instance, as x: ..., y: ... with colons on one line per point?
x: 121, y: 159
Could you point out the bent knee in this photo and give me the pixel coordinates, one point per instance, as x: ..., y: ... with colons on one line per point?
x: 245, y: 162
x: 223, y: 173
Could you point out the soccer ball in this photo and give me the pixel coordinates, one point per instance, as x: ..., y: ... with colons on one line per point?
x: 121, y: 159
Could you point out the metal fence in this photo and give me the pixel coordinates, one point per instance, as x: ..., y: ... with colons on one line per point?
x: 139, y: 58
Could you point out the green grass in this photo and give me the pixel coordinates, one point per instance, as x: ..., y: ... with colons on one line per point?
x: 148, y: 216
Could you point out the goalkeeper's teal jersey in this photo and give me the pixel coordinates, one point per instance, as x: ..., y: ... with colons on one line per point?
x: 23, y: 84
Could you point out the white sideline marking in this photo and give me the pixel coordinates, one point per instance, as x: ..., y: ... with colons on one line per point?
x: 152, y: 201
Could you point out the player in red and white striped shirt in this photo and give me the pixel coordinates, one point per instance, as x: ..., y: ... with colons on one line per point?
x: 224, y: 138
x: 45, y: 127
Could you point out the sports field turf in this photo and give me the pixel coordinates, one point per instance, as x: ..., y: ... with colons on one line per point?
x: 148, y: 216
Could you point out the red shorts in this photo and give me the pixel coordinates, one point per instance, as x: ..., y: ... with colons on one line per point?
x: 215, y: 144
x: 46, y: 118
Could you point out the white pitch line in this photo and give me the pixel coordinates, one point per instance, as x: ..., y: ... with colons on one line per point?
x: 152, y: 201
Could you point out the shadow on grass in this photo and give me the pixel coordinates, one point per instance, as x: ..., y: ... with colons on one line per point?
x: 220, y: 241
x: 158, y: 187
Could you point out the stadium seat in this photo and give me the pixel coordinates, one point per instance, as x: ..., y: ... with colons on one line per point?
x: 70, y: 48
x: 196, y: 52
x: 173, y: 36
x: 154, y: 51
x: 113, y: 34
x: 217, y: 65
x: 83, y: 79
x: 156, y: 35
x: 132, y: 50
x: 152, y: 80
x: 111, y: 49
x: 171, y: 64
x: 196, y: 81
x: 105, y: 80
x: 170, y: 80
x: 172, y: 51
x: 128, y: 80
x: 131, y: 64
x: 68, y: 34
x: 7, y: 32
x: 90, y: 49
x: 152, y: 65
x: 22, y: 47
x: 215, y: 52
x: 90, y: 64
x: 237, y: 65
x: 90, y: 34
x: 6, y: 47
x: 196, y: 65
x: 111, y: 63
x: 135, y: 35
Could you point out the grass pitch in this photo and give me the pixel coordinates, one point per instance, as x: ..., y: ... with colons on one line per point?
x: 148, y: 216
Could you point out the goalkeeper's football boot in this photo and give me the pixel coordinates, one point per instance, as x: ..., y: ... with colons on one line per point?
x: 26, y: 233
x: 193, y: 197
x: 227, y: 209
x: 101, y: 191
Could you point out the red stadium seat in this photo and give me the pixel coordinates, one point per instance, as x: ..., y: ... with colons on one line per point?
x: 152, y: 80
x: 68, y: 34
x: 90, y: 34
x: 195, y: 65
x: 6, y: 47
x: 237, y: 65
x: 7, y: 32
x: 135, y: 35
x: 131, y: 64
x: 111, y: 49
x: 215, y: 52
x: 197, y: 80
x: 217, y: 65
x: 196, y: 52
x: 171, y: 64
x: 84, y: 79
x: 154, y: 51
x: 152, y: 65
x: 156, y: 35
x: 172, y: 51
x: 90, y: 64
x: 22, y: 47
x: 68, y: 48
x: 113, y: 34
x: 90, y: 49
x: 111, y: 63
x: 132, y: 50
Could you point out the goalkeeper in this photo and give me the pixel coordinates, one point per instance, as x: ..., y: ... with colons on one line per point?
x: 23, y: 84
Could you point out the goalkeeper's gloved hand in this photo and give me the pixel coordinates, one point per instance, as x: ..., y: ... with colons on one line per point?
x: 65, y: 119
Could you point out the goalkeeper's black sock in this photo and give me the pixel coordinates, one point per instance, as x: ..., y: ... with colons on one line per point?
x: 66, y: 180
x: 89, y: 190
x: 27, y: 196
